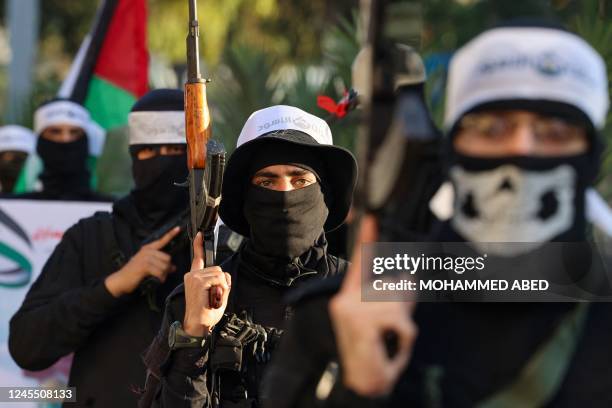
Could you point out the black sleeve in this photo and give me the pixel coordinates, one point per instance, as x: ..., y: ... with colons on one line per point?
x: 175, y: 378
x: 306, y: 350
x: 61, y: 309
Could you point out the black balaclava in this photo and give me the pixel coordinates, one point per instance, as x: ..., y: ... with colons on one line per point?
x: 65, y: 166
x: 156, y: 120
x: 287, y: 241
x: 285, y: 224
x: 11, y: 163
x: 65, y: 173
x: 157, y: 196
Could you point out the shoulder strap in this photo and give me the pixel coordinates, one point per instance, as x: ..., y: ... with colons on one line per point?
x: 543, y: 374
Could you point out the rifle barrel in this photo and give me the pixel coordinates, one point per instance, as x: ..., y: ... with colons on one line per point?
x: 193, y: 10
x: 193, y: 52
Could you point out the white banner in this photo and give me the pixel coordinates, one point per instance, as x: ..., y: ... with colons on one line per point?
x: 29, y: 231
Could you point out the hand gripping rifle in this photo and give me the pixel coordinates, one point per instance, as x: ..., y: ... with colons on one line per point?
x: 205, y: 156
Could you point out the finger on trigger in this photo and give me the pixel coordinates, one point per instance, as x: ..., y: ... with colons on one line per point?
x: 168, y: 236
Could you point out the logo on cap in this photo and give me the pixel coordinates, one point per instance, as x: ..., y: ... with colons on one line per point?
x: 547, y: 63
x: 273, y: 123
x: 301, y: 123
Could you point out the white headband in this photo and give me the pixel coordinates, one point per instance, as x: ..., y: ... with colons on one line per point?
x: 60, y: 113
x: 283, y: 117
x: 157, y: 127
x: 73, y: 114
x: 17, y: 138
x: 527, y: 63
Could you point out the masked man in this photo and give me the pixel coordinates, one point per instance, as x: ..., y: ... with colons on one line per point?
x: 284, y: 186
x: 88, y: 299
x: 524, y: 108
x: 16, y: 143
x: 65, y: 136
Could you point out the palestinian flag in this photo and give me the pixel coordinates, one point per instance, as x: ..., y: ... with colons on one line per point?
x: 111, y: 68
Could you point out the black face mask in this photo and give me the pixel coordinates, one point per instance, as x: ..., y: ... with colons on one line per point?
x: 285, y: 224
x: 65, y: 165
x: 156, y: 195
x: 10, y: 166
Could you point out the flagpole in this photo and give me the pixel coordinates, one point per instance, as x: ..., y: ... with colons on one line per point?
x: 84, y: 70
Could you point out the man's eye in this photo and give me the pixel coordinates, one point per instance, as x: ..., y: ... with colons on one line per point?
x: 177, y: 150
x: 495, y: 129
x: 556, y: 132
x: 301, y: 182
x: 264, y: 183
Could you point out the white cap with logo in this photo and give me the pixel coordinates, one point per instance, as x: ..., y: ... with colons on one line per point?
x: 283, y: 117
x: 527, y: 63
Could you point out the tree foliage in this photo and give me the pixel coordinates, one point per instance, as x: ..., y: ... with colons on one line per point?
x: 261, y: 52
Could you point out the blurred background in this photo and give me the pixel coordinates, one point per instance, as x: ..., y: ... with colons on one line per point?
x: 256, y: 52
x: 263, y: 52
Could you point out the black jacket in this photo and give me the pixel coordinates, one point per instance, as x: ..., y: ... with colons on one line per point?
x: 464, y: 354
x: 69, y: 310
x: 182, y: 378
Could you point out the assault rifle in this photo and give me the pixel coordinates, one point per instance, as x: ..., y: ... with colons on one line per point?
x: 205, y: 161
x: 205, y: 156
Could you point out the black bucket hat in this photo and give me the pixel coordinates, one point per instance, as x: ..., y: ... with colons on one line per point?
x: 290, y: 126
